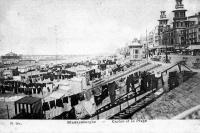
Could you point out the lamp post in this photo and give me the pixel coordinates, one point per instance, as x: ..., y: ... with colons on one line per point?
x: 147, y: 47
x: 191, y: 46
x: 166, y: 54
x: 165, y: 41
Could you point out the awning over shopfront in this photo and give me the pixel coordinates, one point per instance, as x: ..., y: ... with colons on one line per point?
x: 164, y: 46
x: 151, y: 47
x: 180, y: 48
x: 194, y: 47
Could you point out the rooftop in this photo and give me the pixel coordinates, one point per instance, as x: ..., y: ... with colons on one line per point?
x: 11, y: 54
x: 28, y: 100
x: 134, y: 44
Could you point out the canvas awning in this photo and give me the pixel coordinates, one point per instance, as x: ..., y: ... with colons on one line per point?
x: 164, y: 46
x: 62, y: 82
x: 56, y: 95
x: 193, y: 47
x: 28, y: 100
x: 53, y: 96
x: 29, y: 104
x: 179, y: 48
x: 152, y: 48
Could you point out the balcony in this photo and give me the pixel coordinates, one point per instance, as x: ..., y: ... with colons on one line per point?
x: 179, y: 6
x: 179, y: 18
x: 193, y: 113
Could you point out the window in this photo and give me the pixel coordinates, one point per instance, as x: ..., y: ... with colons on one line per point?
x: 136, y: 51
x: 181, y: 31
x: 133, y: 51
x: 176, y: 24
x: 176, y: 14
x: 182, y: 14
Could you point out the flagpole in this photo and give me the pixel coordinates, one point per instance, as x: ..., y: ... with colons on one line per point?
x: 146, y: 46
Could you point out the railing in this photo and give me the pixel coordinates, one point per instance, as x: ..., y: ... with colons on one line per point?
x: 179, y: 63
x: 144, y: 101
x: 120, y: 75
x: 122, y: 99
x: 193, y: 113
x: 130, y: 110
x: 127, y: 97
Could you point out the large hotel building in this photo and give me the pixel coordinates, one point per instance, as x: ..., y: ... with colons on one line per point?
x: 182, y: 33
x: 184, y: 30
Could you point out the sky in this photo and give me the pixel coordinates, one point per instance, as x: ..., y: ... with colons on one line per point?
x: 45, y: 27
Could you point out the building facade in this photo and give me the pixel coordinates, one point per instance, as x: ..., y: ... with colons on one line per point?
x: 179, y: 25
x: 153, y: 38
x: 184, y: 30
x: 193, y: 30
x: 136, y: 50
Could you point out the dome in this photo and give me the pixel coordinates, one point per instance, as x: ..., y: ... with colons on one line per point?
x: 135, y: 44
x: 11, y: 54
